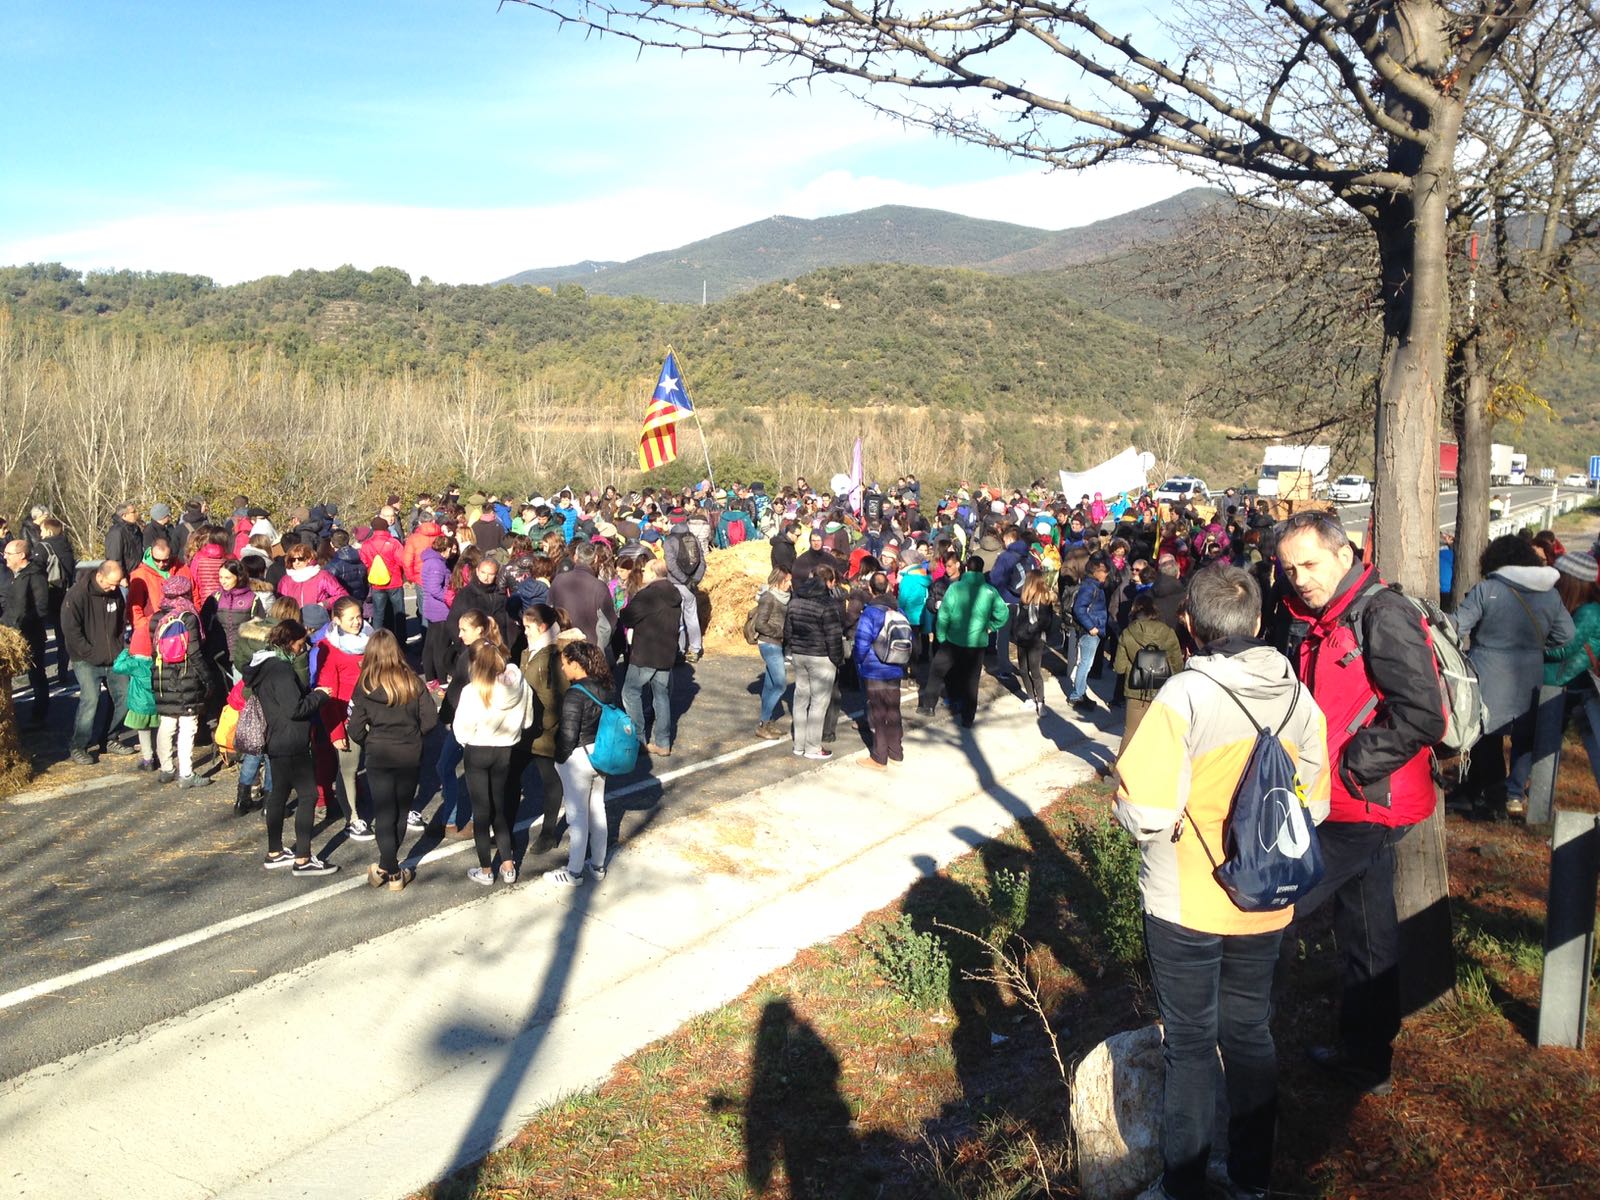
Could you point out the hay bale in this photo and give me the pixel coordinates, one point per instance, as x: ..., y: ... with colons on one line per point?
x: 733, y: 577
x: 16, y: 765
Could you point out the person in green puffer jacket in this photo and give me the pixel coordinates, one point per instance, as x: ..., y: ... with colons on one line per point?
x: 970, y: 611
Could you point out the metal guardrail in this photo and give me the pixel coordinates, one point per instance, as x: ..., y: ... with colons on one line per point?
x: 1541, y: 514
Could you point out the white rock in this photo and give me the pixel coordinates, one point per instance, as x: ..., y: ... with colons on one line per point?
x: 1116, y: 1115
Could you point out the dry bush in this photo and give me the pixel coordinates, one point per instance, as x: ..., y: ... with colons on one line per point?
x: 16, y: 766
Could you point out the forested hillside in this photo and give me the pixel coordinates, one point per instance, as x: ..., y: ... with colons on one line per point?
x: 956, y: 373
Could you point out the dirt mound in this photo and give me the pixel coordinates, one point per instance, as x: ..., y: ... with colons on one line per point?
x: 733, y: 577
x: 16, y: 768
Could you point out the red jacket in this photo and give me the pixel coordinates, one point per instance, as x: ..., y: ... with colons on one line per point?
x: 1384, y: 707
x: 418, y: 540
x: 204, y: 568
x: 382, y: 542
x: 338, y: 671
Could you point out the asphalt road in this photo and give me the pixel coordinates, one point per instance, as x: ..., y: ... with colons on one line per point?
x: 103, y: 873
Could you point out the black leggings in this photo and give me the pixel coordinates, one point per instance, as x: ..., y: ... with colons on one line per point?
x: 494, y: 802
x: 392, y: 791
x: 1030, y: 658
x: 550, y: 783
x: 292, y: 771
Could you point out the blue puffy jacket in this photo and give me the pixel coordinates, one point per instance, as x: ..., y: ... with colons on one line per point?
x: 1004, y: 573
x: 1089, y: 606
x: 868, y: 664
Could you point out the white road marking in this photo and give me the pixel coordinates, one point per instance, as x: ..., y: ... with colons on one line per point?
x: 133, y: 958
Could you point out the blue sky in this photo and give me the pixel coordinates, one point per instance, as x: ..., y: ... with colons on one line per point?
x: 445, y: 138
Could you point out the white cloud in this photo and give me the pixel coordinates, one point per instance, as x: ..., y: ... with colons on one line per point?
x: 481, y: 244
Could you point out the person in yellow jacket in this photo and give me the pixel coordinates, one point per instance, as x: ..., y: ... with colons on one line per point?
x: 1212, y: 963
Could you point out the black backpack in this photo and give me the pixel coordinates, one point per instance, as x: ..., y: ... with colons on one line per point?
x: 1150, y: 669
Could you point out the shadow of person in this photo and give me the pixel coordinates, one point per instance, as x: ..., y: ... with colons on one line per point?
x: 794, y: 1112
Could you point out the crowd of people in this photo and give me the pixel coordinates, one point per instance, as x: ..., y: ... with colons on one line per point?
x: 292, y: 647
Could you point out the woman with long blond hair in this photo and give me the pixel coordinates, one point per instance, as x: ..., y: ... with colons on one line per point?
x: 492, y: 710
x: 390, y: 713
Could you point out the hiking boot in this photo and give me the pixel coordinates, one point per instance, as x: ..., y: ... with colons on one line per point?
x: 1337, y: 1062
x: 194, y: 781
x: 376, y: 876
x: 243, y: 800
x: 121, y: 749
x: 874, y: 764
x: 658, y: 751
x: 83, y: 758
x: 399, y: 880
x: 166, y: 776
x: 694, y: 656
x: 769, y: 730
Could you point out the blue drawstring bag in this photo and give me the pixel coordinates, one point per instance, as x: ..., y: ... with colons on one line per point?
x: 1271, y: 857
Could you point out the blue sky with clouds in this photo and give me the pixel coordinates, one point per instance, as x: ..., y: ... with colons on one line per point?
x: 445, y: 138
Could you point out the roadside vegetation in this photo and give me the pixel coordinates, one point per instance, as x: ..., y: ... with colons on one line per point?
x: 926, y: 1052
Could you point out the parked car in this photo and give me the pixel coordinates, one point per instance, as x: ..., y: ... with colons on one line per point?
x: 1351, y: 489
x: 1575, y: 480
x: 1180, y: 486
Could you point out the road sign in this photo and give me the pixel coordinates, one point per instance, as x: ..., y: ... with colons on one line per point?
x: 1594, y: 468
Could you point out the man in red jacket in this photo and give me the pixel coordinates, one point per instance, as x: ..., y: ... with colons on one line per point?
x: 1385, y: 712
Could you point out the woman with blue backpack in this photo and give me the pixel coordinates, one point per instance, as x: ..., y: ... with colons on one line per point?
x: 583, y: 788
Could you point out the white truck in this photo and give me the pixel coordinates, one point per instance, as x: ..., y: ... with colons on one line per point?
x: 1287, y: 460
x: 1507, y: 468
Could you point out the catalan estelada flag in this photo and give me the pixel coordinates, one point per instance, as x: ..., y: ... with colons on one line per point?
x: 657, y: 447
x: 658, y: 438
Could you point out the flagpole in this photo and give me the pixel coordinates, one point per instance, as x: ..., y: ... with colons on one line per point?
x: 695, y: 413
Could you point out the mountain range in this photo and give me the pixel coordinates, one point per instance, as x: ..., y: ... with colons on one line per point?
x: 781, y: 248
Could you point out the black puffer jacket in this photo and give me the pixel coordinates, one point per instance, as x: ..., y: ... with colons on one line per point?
x: 391, y: 734
x: 475, y: 597
x: 180, y: 688
x: 285, y: 701
x: 580, y: 718
x: 813, y: 625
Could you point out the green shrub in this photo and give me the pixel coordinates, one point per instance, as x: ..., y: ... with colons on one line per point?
x: 1110, y: 859
x: 1008, y: 900
x: 917, y: 965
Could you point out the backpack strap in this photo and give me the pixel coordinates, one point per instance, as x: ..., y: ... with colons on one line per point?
x: 598, y: 702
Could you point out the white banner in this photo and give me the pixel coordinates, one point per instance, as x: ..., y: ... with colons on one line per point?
x: 1127, y: 472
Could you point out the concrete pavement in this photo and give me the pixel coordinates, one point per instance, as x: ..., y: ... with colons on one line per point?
x: 381, y: 1066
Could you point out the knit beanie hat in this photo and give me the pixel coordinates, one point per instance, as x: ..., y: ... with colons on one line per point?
x: 1579, y: 565
x: 160, y: 511
x: 177, y: 585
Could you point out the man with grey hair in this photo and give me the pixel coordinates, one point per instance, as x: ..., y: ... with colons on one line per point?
x: 1211, y: 961
x: 585, y: 597
x: 1364, y: 652
x: 27, y: 610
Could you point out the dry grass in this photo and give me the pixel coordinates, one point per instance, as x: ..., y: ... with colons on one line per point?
x: 733, y: 577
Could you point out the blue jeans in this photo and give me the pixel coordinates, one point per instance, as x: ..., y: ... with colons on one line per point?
x: 249, y: 765
x: 1215, y: 991
x: 1088, y: 648
x: 90, y: 677
x: 389, y: 611
x: 455, y: 805
x: 659, y: 680
x: 773, y: 682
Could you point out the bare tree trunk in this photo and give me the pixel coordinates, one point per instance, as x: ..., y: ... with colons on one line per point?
x: 1474, y: 427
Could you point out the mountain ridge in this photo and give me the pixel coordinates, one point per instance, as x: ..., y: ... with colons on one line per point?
x: 783, y: 247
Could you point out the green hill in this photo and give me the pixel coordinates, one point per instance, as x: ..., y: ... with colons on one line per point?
x: 784, y: 247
